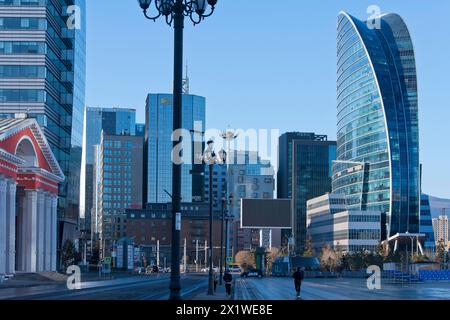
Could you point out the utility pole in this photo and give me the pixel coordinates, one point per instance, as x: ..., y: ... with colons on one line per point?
x: 157, y: 253
x: 206, y: 253
x: 196, y: 255
x: 185, y: 258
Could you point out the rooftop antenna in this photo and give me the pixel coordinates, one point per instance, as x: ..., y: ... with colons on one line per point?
x: 186, y: 80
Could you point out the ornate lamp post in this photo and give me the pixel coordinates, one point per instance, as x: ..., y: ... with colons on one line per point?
x: 211, y: 158
x: 174, y: 11
x: 229, y: 136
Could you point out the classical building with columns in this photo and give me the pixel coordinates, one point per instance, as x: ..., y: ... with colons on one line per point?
x: 29, y: 178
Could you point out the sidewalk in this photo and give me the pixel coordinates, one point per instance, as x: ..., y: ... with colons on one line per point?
x: 219, y: 295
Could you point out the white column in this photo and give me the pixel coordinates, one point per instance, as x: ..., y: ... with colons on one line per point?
x: 20, y: 229
x: 3, y: 228
x: 48, y: 233
x: 11, y: 227
x: 53, y: 232
x: 40, y: 230
x: 29, y: 236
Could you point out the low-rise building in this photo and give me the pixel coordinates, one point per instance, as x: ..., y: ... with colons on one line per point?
x: 152, y: 227
x: 330, y: 223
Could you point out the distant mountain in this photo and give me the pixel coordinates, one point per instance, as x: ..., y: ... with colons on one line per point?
x: 439, y: 206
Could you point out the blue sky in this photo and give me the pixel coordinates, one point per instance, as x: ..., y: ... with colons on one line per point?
x: 267, y: 67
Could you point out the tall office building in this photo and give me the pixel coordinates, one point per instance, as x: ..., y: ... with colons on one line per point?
x: 120, y: 185
x: 158, y: 148
x: 42, y: 74
x: 377, y: 164
x: 304, y: 172
x: 140, y: 129
x: 112, y: 121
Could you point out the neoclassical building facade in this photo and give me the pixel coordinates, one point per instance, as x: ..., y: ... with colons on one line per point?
x: 29, y: 178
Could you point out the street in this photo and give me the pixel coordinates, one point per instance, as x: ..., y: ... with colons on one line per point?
x: 129, y: 288
x: 194, y: 287
x: 337, y: 289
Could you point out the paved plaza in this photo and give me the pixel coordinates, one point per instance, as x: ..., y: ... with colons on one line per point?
x: 338, y: 289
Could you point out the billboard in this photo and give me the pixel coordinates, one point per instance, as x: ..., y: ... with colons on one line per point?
x: 266, y: 214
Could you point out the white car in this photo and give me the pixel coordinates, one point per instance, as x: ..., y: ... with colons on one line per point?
x: 235, y: 269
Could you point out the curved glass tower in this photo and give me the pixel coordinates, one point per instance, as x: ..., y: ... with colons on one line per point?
x: 377, y: 163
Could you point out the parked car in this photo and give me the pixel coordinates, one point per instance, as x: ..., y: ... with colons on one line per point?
x: 252, y: 273
x: 235, y: 269
x: 206, y: 270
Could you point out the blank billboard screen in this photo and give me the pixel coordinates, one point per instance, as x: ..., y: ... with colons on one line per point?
x: 266, y: 214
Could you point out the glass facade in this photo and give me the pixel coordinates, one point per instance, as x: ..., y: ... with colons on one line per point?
x: 426, y: 223
x: 112, y: 121
x: 42, y: 65
x: 158, y: 148
x: 377, y: 121
x: 304, y: 173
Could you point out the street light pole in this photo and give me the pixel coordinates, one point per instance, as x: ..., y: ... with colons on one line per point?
x: 211, y: 158
x: 228, y: 136
x: 221, y: 241
x: 175, y: 11
x: 211, y: 274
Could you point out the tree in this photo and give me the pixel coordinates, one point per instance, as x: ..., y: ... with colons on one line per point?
x: 329, y: 260
x: 245, y: 259
x: 271, y: 255
x: 309, y: 249
x: 418, y: 258
x: 441, y: 252
x: 69, y: 255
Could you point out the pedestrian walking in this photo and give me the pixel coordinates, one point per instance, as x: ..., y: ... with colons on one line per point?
x: 228, y: 279
x: 298, y: 276
x: 215, y: 281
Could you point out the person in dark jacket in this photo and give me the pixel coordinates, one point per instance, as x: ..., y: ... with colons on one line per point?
x: 228, y: 279
x: 215, y: 281
x: 298, y: 276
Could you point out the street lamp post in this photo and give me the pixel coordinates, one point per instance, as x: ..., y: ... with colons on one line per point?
x: 174, y: 12
x: 224, y: 201
x: 211, y: 158
x: 228, y: 136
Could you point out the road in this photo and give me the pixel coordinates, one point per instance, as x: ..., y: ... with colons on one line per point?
x: 194, y: 287
x: 337, y: 289
x: 131, y: 288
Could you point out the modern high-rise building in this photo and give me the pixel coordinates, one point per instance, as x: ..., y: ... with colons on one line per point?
x: 304, y: 172
x: 377, y: 165
x: 159, y: 145
x: 112, y: 121
x: 42, y: 72
x: 441, y: 230
x: 120, y: 185
x: 140, y: 129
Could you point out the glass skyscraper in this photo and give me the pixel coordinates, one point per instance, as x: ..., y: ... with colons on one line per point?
x: 112, y: 121
x: 377, y: 165
x: 304, y: 172
x: 158, y: 148
x: 42, y: 68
